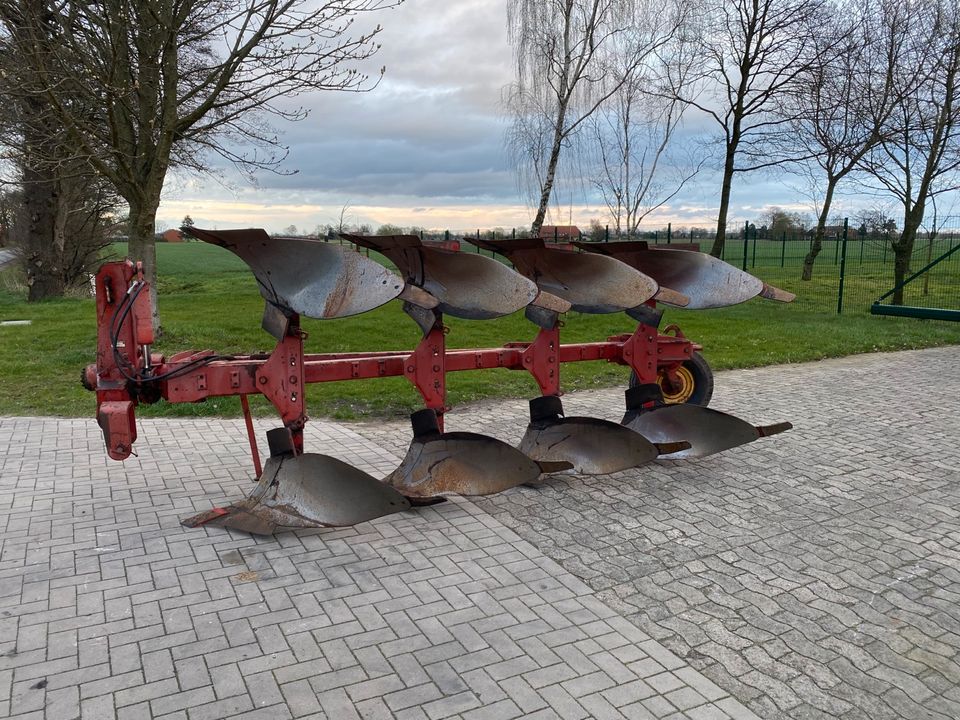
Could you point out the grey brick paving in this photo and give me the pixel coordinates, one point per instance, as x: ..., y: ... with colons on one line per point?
x: 812, y: 575
x: 110, y: 609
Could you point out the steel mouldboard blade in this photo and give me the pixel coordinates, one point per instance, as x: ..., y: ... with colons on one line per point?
x: 473, y: 286
x: 708, y: 282
x: 590, y: 283
x: 707, y: 430
x: 460, y: 463
x: 305, y: 491
x: 593, y: 446
x: 466, y: 285
x: 309, y: 277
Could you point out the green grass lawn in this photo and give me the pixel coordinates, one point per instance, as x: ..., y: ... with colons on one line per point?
x: 209, y: 299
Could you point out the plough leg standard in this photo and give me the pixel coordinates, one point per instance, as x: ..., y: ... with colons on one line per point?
x: 315, y: 279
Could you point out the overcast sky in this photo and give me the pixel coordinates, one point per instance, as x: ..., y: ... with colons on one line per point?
x: 424, y: 148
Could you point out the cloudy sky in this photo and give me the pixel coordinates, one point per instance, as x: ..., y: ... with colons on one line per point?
x: 425, y: 148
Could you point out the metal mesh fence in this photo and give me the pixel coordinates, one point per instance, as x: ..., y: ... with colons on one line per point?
x: 864, y: 275
x: 867, y: 272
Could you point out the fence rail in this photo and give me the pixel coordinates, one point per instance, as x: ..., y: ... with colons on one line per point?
x: 841, y: 282
x: 850, y: 273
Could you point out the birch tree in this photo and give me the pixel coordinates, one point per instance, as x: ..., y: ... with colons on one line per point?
x: 638, y: 165
x: 562, y: 50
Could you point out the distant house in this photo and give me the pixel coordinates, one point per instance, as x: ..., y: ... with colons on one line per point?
x: 171, y: 236
x: 560, y: 233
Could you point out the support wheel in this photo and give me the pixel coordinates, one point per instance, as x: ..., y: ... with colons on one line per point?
x: 694, y: 383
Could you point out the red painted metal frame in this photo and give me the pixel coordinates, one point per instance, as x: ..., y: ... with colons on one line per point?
x: 282, y: 375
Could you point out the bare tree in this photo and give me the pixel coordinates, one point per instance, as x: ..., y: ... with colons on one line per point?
x: 841, y: 104
x: 753, y: 52
x: 62, y: 220
x: 919, y: 155
x: 174, y: 82
x: 638, y: 167
x: 562, y: 50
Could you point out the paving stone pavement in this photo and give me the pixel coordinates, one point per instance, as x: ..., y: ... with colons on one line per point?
x: 815, y: 574
x: 110, y: 609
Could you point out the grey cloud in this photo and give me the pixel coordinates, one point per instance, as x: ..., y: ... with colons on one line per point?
x: 434, y: 124
x: 432, y: 133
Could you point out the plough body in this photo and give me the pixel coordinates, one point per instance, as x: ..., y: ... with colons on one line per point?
x: 298, y: 489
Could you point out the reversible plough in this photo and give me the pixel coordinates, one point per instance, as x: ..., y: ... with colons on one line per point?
x: 312, y: 278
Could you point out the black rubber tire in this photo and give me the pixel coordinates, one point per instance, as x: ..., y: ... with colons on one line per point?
x: 702, y: 375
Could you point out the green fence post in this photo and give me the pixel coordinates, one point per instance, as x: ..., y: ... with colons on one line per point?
x: 843, y: 267
x: 606, y: 233
x: 669, y: 232
x: 513, y: 233
x: 754, y: 249
x: 783, y: 249
x: 746, y: 243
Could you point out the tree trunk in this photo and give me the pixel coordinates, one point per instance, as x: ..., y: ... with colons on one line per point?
x: 547, y: 188
x: 903, y: 250
x: 728, y: 165
x: 38, y: 230
x: 142, y: 247
x: 37, y: 234
x: 811, y: 256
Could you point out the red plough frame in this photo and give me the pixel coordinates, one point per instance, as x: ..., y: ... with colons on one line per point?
x: 282, y: 376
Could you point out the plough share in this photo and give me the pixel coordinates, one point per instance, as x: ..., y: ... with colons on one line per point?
x: 305, y: 277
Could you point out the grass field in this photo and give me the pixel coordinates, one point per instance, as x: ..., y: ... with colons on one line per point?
x: 869, y: 270
x: 209, y: 299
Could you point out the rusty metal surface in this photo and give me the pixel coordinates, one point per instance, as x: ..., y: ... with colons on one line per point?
x: 466, y: 285
x: 707, y: 430
x: 308, y: 490
x: 308, y: 277
x: 593, y: 446
x: 418, y: 297
x: 473, y: 286
x: 671, y: 297
x: 774, y: 293
x: 463, y: 464
x: 551, y: 302
x: 591, y: 283
x: 545, y: 310
x: 707, y: 281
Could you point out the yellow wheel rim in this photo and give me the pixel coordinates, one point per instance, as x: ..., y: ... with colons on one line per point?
x: 685, y: 386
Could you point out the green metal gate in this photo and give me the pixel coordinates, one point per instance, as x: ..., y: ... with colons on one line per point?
x: 951, y: 311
